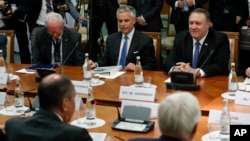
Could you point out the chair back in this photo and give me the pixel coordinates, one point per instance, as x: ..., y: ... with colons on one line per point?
x: 156, y: 36
x: 10, y: 44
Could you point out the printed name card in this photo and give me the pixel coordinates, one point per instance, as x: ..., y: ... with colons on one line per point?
x: 81, y: 87
x: 242, y: 98
x: 3, y: 78
x: 236, y: 117
x: 3, y: 97
x: 137, y: 93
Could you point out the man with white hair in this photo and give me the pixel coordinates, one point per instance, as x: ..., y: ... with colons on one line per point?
x: 178, y: 117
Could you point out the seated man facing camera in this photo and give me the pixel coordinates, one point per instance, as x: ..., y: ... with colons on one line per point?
x: 201, y: 50
x: 57, y: 105
x: 178, y: 116
x: 123, y: 47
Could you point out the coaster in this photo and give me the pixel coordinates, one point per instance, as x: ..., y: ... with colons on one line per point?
x: 229, y: 95
x: 151, y: 86
x: 98, y: 84
x: 206, y: 138
x: 12, y: 112
x: 97, y: 123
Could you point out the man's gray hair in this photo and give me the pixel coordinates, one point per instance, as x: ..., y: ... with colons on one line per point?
x: 52, y: 16
x: 126, y: 8
x: 178, y: 114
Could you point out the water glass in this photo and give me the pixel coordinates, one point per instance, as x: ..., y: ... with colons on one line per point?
x: 214, y: 131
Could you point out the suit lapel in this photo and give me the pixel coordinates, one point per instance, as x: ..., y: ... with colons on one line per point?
x: 116, y: 46
x: 65, y: 44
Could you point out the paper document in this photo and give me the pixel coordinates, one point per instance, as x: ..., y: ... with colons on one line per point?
x: 107, y: 70
x: 98, y: 136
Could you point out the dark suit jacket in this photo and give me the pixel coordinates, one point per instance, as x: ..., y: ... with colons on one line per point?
x: 217, y: 63
x: 2, y: 136
x: 162, y: 138
x: 41, y: 49
x: 176, y: 14
x: 141, y: 45
x: 151, y: 11
x: 112, y: 6
x: 43, y: 126
x: 235, y: 8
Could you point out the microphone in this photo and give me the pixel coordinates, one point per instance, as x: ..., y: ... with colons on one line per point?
x: 67, y: 58
x: 209, y: 55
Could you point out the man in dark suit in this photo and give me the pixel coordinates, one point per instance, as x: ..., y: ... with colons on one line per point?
x: 226, y: 15
x: 138, y: 44
x: 213, y: 47
x: 179, y: 15
x: 54, y: 43
x: 148, y: 14
x: 57, y: 105
x: 181, y: 124
x: 101, y: 11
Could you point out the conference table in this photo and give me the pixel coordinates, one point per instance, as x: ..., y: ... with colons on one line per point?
x: 107, y: 96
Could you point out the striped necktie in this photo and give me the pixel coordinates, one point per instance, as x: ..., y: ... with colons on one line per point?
x: 48, y: 6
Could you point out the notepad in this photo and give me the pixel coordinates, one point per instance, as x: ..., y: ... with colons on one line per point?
x: 33, y: 68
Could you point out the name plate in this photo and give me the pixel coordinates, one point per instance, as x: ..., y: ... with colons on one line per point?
x: 81, y: 87
x: 137, y: 93
x: 3, y: 78
x: 236, y: 117
x: 3, y: 98
x: 242, y: 98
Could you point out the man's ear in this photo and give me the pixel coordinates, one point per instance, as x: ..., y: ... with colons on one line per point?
x: 65, y: 103
x: 195, y: 129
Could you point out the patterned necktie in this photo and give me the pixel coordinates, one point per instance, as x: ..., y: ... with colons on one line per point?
x: 185, y: 6
x: 57, y: 54
x: 124, y: 52
x: 196, y: 54
x: 48, y: 6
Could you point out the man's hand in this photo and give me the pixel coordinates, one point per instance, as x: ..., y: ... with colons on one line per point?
x: 92, y: 64
x: 130, y: 67
x: 248, y: 72
x: 141, y: 21
x: 63, y: 7
x: 185, y: 67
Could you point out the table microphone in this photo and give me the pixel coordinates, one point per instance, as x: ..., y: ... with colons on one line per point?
x: 67, y: 58
x: 185, y: 80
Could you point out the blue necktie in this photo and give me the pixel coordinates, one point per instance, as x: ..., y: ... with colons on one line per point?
x: 124, y: 52
x: 196, y: 55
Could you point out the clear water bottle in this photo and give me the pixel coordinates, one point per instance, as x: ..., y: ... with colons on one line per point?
x: 19, y: 97
x: 86, y: 68
x: 2, y: 63
x: 232, y: 79
x: 225, y: 122
x: 138, y: 72
x: 90, y: 108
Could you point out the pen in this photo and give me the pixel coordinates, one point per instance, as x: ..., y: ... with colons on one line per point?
x: 119, y: 138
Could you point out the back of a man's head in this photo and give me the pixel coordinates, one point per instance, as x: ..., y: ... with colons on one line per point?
x: 178, y: 114
x: 52, y: 89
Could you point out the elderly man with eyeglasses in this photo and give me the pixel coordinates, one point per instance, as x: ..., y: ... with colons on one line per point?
x: 56, y: 44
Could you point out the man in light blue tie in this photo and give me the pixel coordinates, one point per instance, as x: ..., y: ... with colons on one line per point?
x: 123, y: 47
x: 199, y: 50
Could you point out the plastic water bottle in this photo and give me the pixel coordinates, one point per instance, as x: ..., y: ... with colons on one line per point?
x: 225, y: 122
x: 138, y: 72
x: 90, y: 108
x: 2, y: 63
x: 19, y: 97
x: 86, y: 68
x: 185, y: 6
x: 232, y: 79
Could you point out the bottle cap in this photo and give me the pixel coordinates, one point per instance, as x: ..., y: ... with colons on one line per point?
x: 138, y: 57
x: 232, y: 64
x: 86, y: 54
